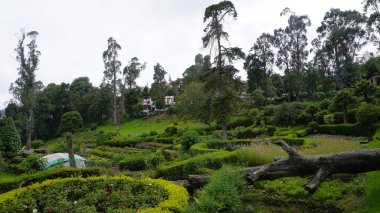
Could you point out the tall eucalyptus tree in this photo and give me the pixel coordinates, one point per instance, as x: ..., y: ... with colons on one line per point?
x: 222, y: 82
x: 25, y: 87
x: 111, y: 72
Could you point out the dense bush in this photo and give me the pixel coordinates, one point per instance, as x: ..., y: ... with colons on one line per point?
x: 286, y: 115
x: 25, y: 180
x: 222, y: 194
x: 32, y: 164
x: 240, y: 122
x: 312, y: 127
x: 181, y: 169
x: 97, y: 194
x: 188, y: 139
x: 271, y: 130
x: 10, y: 141
x: 171, y: 130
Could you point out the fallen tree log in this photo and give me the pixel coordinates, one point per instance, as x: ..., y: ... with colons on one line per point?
x: 319, y: 167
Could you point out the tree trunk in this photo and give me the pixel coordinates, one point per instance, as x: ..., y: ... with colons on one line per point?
x: 70, y: 150
x: 319, y: 166
x: 224, y: 130
x: 29, y: 131
x: 345, y: 120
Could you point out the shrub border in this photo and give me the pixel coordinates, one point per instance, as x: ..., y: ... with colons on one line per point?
x: 177, y: 195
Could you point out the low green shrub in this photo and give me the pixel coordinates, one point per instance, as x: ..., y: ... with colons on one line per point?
x: 25, y: 180
x: 141, y: 161
x: 32, y: 164
x: 312, y: 127
x: 188, y: 139
x: 222, y: 194
x: 201, y: 148
x: 97, y: 194
x: 171, y: 130
x: 181, y: 169
x: 270, y: 130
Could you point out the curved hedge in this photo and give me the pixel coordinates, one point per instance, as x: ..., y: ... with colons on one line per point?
x: 21, y: 181
x: 177, y: 196
x: 181, y: 169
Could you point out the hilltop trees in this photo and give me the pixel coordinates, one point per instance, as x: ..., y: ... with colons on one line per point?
x: 111, y: 72
x: 25, y: 87
x: 341, y: 36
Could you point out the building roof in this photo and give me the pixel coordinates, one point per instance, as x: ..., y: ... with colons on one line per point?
x: 57, y: 158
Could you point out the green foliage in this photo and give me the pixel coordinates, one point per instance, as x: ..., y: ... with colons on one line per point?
x: 240, y: 122
x: 181, y: 169
x: 364, y: 88
x: 312, y: 127
x: 142, y: 161
x: 100, y: 194
x: 71, y: 122
x: 153, y: 133
x: 37, y: 144
x: 258, y: 98
x: 171, y: 130
x: 10, y: 142
x: 249, y: 132
x: 25, y: 180
x: 188, y: 139
x: 222, y: 194
x: 286, y: 114
x: 271, y: 130
x: 32, y: 164
x: 368, y: 115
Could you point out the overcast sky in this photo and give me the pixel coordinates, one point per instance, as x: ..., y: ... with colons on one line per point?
x: 73, y: 33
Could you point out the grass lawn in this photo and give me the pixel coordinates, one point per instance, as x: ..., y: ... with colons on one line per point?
x: 139, y: 126
x: 7, y: 175
x: 372, y: 191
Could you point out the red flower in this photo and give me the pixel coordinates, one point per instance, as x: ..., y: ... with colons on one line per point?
x: 122, y: 200
x: 49, y: 210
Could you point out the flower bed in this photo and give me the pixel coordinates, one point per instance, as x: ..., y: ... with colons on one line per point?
x: 96, y: 194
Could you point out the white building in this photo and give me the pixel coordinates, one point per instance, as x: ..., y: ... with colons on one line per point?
x: 150, y: 108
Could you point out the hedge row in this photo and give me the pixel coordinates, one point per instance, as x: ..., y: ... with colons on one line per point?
x: 177, y: 195
x: 201, y: 148
x: 21, y: 181
x: 181, y: 169
x: 131, y: 142
x: 342, y: 129
x: 225, y: 143
x: 250, y: 132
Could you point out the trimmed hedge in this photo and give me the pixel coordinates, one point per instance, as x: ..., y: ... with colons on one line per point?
x: 181, y: 169
x: 21, y: 181
x: 342, y: 129
x: 131, y: 142
x: 201, y: 148
x: 225, y: 143
x: 177, y: 195
x: 250, y: 132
